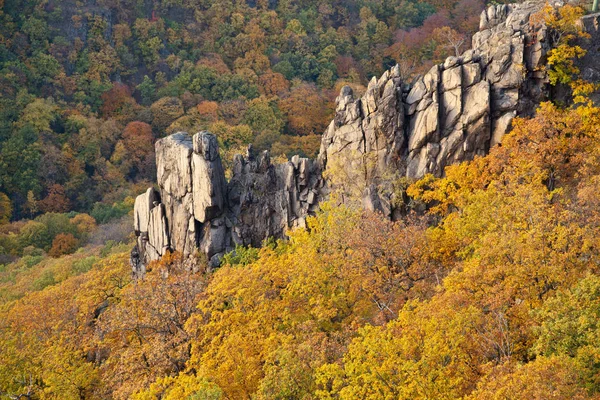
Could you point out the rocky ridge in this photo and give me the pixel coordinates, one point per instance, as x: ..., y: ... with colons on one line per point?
x: 457, y: 110
x: 196, y: 210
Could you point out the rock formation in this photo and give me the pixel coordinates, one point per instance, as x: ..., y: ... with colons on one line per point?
x: 589, y: 64
x: 267, y: 199
x: 196, y: 210
x: 457, y: 110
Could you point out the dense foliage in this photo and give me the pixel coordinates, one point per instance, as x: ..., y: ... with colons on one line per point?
x: 87, y: 86
x: 493, y: 293
x: 488, y: 288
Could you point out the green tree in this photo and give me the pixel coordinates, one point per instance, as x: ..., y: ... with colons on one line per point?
x: 569, y: 327
x: 39, y: 114
x: 262, y: 115
x: 5, y: 209
x: 19, y: 160
x: 147, y: 90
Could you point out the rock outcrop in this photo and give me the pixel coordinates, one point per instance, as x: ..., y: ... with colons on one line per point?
x: 589, y: 64
x: 195, y: 210
x: 266, y: 199
x: 457, y: 110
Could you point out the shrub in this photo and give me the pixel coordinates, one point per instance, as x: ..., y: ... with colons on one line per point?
x: 33, y: 251
x: 103, y: 213
x: 105, y: 251
x: 85, y: 224
x: 63, y: 243
x: 55, y: 224
x: 241, y: 256
x: 45, y: 279
x: 31, y: 261
x: 84, y: 265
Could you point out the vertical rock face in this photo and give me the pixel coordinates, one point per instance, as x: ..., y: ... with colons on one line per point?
x: 144, y: 222
x: 188, y: 213
x: 201, y: 212
x: 589, y: 64
x: 208, y: 183
x: 457, y: 110
x: 174, y: 175
x: 267, y: 199
x: 373, y: 125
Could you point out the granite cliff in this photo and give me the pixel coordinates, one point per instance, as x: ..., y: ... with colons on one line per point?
x: 457, y: 110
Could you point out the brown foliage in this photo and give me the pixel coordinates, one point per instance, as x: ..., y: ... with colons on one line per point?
x: 273, y: 84
x: 345, y: 65
x: 208, y: 110
x: 118, y: 103
x: 84, y: 223
x: 137, y: 138
x: 55, y: 201
x: 449, y: 42
x: 306, y: 110
x: 215, y: 62
x: 63, y: 243
x: 134, y: 153
x: 145, y: 330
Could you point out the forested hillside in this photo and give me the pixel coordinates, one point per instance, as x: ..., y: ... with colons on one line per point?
x: 87, y: 86
x: 485, y: 286
x: 494, y: 293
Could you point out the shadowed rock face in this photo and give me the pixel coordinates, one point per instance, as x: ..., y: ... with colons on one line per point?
x: 457, y: 110
x: 267, y: 199
x: 589, y: 64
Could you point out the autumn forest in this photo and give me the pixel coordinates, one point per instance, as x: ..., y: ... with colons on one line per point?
x: 487, y: 286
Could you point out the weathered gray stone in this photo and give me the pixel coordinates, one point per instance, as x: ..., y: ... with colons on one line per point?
x: 213, y: 237
x: 452, y: 109
x: 158, y: 236
x: 173, y: 169
x: 144, y: 203
x: 451, y: 78
x: 265, y: 199
x: 471, y: 74
x: 174, y: 176
x: 501, y: 126
x: 477, y: 102
x: 208, y: 183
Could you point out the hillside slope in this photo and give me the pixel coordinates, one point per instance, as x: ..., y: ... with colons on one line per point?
x: 459, y: 109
